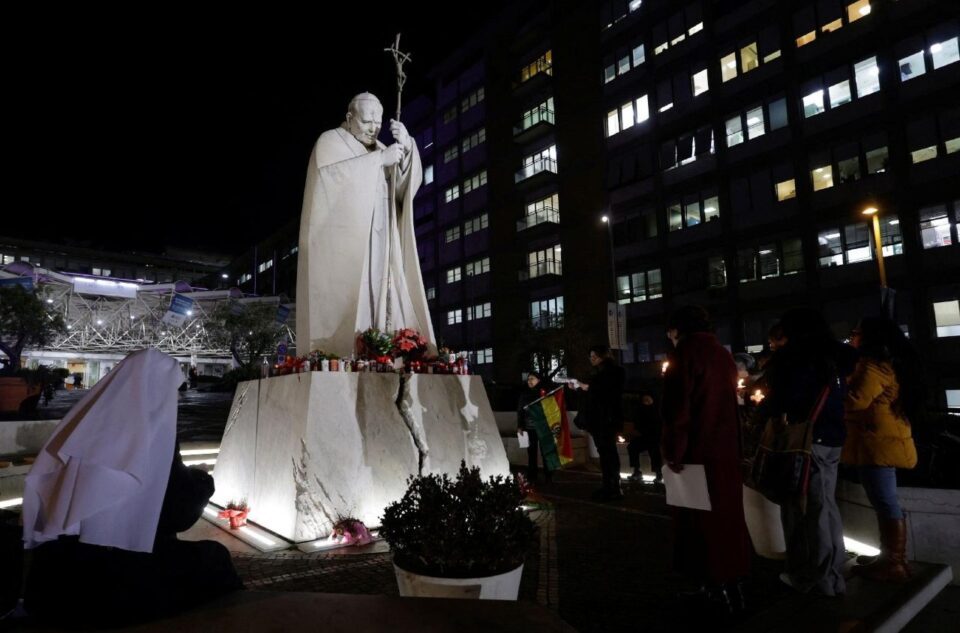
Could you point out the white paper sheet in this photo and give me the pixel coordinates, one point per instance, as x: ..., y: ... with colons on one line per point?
x: 523, y: 438
x: 688, y: 488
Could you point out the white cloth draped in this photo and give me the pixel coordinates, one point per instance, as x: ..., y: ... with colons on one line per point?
x: 103, y: 473
x: 357, y: 258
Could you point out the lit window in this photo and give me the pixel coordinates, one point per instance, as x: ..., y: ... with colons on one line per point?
x: 642, y: 109
x: 891, y: 240
x: 451, y: 194
x: 661, y: 47
x: 453, y: 275
x: 478, y: 267
x: 877, y: 160
x: 923, y: 154
x: 638, y: 55
x: 755, y: 123
x: 944, y: 53
x: 749, y: 59
x: 700, y: 82
x: 639, y: 287
x: 839, y: 93
x: 857, y: 10
x: 451, y: 154
x: 728, y: 67
x: 856, y: 239
x: 696, y: 28
x: 833, y: 25
x: 626, y: 115
x: 428, y: 175
x: 634, y: 5
x: 613, y: 122
x: 947, y: 317
x: 912, y: 66
x: 431, y: 293
x: 454, y: 316
x: 623, y: 66
x: 451, y: 235
x: 711, y: 208
x: 734, y: 129
x: 678, y: 39
x: 867, y: 75
x: 822, y: 177
x: 609, y: 73
x: 952, y: 145
x: 935, y: 227
x: 953, y: 401
x: 803, y: 40
x: 476, y: 224
x: 813, y: 104
x: 543, y: 64
x: 786, y: 190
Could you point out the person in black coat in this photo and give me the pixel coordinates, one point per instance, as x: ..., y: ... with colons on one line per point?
x: 536, y: 389
x: 647, y: 430
x: 603, y: 417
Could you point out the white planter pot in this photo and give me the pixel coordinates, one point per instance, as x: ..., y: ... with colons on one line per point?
x: 500, y: 587
x: 763, y: 522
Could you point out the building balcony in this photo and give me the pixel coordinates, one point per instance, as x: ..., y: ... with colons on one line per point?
x: 541, y: 269
x: 534, y: 124
x: 537, y: 167
x: 541, y: 216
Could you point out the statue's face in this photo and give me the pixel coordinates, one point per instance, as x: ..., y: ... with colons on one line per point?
x: 364, y: 123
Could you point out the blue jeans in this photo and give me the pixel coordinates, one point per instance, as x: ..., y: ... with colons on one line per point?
x: 880, y: 484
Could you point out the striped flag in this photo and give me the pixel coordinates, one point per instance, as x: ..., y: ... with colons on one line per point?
x: 549, y: 416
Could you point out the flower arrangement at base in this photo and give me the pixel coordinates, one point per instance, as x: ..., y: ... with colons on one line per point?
x: 372, y: 343
x: 460, y: 528
x: 409, y: 344
x: 350, y: 531
x: 236, y: 512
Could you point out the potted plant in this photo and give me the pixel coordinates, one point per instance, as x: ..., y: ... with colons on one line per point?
x: 464, y: 537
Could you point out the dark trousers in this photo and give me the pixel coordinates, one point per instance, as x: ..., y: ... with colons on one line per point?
x: 649, y: 444
x: 533, y: 455
x: 606, y: 442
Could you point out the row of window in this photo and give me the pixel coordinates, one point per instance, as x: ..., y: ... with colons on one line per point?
x: 469, y: 142
x: 639, y: 286
x: 480, y: 356
x: 548, y: 261
x: 540, y: 211
x: 466, y: 103
x: 546, y: 313
x: 473, y: 313
x: 543, y: 64
x: 692, y: 210
x: 829, y: 16
x: 755, y: 122
x: 542, y: 113
x: 538, y: 162
x: 476, y: 267
x: 473, y: 182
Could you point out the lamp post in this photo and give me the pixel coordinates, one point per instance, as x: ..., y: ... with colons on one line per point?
x: 886, y: 294
x: 874, y: 215
x: 615, y: 304
x: 613, y: 266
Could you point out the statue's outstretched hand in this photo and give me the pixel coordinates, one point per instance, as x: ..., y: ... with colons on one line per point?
x: 400, y: 134
x: 392, y: 155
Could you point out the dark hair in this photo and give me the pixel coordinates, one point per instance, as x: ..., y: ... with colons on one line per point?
x: 689, y: 319
x: 600, y: 350
x: 882, y: 340
x: 535, y: 375
x: 809, y: 340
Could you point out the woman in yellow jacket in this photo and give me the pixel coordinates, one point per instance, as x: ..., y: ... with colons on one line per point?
x: 884, y: 395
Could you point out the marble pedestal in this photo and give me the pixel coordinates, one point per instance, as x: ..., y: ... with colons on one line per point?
x: 307, y: 449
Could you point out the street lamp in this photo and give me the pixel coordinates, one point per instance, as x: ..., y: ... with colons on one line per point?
x: 613, y: 267
x: 874, y: 215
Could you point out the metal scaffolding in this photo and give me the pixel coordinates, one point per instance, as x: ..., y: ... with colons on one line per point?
x: 101, y: 322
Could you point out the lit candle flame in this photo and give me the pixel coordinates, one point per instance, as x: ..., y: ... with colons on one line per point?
x: 740, y: 384
x: 757, y: 396
x: 621, y: 439
x: 663, y: 366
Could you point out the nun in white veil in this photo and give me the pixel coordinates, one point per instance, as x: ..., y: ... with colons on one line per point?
x: 104, y: 500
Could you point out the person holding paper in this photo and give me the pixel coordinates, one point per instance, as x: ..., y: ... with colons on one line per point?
x: 701, y: 426
x: 535, y: 389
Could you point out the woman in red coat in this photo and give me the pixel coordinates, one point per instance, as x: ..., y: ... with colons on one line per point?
x: 701, y: 426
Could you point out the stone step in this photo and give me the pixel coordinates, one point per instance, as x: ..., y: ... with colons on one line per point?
x: 867, y: 606
x: 350, y: 613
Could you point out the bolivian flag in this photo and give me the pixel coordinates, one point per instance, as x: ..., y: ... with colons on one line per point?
x: 549, y: 416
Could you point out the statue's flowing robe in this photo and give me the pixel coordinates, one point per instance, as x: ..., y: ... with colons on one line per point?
x: 357, y: 258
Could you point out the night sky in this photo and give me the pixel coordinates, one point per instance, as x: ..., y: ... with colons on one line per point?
x: 134, y: 132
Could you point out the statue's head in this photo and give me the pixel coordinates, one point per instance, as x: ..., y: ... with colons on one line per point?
x: 364, y: 118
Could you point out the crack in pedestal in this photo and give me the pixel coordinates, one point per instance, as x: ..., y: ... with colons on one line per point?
x: 416, y: 430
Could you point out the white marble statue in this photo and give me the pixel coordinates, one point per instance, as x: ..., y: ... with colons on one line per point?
x: 358, y: 265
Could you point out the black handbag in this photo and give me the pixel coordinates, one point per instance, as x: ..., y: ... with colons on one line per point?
x: 781, y: 467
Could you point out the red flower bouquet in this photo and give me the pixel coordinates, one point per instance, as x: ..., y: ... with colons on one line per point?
x: 236, y: 513
x: 409, y: 344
